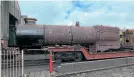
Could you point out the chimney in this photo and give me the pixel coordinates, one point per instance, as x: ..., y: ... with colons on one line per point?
x: 30, y: 20
x: 77, y: 23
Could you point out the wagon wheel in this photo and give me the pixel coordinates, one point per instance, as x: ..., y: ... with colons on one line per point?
x: 58, y: 58
x: 78, y: 56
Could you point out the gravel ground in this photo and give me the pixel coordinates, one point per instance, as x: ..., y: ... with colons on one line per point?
x: 127, y: 71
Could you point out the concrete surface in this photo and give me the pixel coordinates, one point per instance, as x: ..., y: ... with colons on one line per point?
x: 93, y: 65
x: 127, y: 71
x: 28, y: 69
x: 45, y: 67
x: 124, y: 71
x: 35, y: 56
x: 100, y: 68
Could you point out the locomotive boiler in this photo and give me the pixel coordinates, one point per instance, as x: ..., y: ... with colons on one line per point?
x: 74, y: 42
x: 95, y: 38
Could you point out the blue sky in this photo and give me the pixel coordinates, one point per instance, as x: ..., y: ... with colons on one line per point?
x: 88, y: 13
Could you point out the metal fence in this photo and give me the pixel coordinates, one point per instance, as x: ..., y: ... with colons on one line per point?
x: 11, y: 62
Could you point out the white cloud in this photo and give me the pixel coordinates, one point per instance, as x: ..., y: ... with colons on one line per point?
x: 105, y: 13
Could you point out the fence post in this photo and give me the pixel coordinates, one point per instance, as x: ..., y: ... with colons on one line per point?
x: 0, y: 61
x: 50, y: 61
x: 22, y: 57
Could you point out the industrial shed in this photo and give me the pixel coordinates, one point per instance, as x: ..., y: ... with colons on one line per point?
x: 10, y: 17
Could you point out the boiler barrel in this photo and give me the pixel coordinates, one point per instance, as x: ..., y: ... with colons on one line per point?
x: 52, y: 35
x: 29, y: 35
x: 69, y: 35
x: 30, y: 30
x: 57, y: 35
x: 83, y: 34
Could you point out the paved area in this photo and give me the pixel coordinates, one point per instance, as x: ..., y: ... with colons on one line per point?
x: 38, y: 74
x: 127, y: 71
x: 28, y: 69
x: 93, y: 65
x: 85, y: 69
x: 35, y: 56
x: 36, y: 68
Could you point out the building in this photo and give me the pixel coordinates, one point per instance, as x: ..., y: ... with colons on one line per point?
x: 10, y: 18
x: 23, y: 19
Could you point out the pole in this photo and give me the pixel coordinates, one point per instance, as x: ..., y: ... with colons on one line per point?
x: 22, y: 64
x: 0, y: 59
x: 50, y: 62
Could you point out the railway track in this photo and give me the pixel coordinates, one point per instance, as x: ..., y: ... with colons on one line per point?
x: 26, y: 63
x: 45, y: 62
x: 73, y: 68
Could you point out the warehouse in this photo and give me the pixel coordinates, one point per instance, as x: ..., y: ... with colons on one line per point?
x: 10, y: 17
